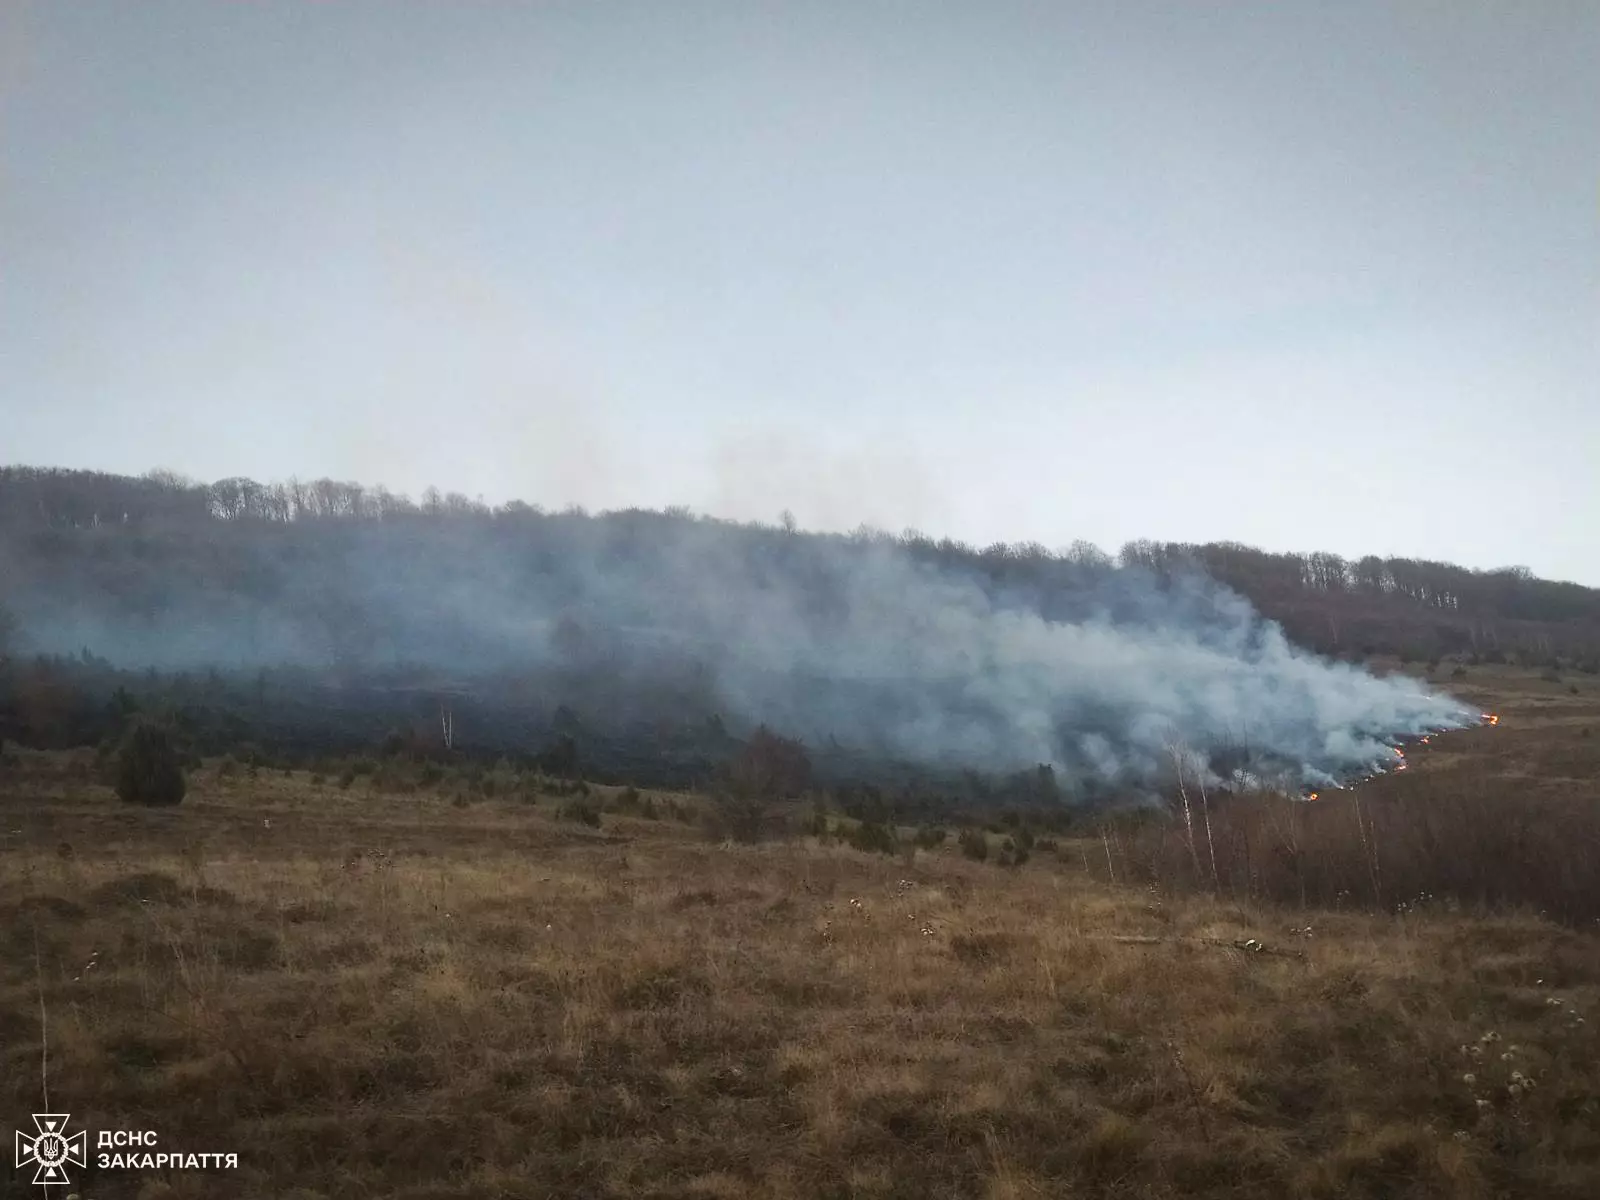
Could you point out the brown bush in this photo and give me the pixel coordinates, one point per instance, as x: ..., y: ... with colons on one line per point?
x: 770, y: 765
x: 1478, y: 846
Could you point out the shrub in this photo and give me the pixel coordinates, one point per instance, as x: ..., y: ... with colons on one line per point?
x: 770, y: 766
x: 148, y: 768
x: 1012, y: 853
x: 930, y: 837
x: 346, y: 778
x: 581, y: 811
x: 739, y: 817
x: 561, y: 758
x: 975, y: 844
x: 872, y: 838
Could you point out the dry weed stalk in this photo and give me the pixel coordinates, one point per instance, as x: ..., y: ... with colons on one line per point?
x: 44, y: 1022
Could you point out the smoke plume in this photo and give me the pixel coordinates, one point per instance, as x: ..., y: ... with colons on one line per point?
x: 904, y: 648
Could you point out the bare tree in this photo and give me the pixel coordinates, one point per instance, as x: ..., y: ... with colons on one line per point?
x: 1176, y: 752
x: 1182, y: 760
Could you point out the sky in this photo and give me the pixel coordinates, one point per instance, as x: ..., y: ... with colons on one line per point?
x: 1308, y: 276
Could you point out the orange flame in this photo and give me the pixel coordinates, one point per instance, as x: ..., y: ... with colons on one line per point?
x: 1492, y: 718
x: 1312, y: 796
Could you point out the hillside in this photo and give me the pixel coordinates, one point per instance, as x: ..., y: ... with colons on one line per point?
x: 469, y: 985
x: 251, y: 540
x: 315, y: 618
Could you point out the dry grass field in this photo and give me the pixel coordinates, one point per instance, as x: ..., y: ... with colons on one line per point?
x: 375, y: 993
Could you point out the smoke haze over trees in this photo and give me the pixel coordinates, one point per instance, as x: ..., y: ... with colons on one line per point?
x: 900, y: 647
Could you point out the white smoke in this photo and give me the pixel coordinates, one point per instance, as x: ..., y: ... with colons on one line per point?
x: 965, y: 678
x: 913, y: 651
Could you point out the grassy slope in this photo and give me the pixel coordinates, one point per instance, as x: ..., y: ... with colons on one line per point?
x: 387, y: 995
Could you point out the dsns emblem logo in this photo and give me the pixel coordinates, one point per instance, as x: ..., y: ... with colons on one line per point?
x: 53, y: 1149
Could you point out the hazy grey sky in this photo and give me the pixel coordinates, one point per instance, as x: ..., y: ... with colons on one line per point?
x: 1304, y: 275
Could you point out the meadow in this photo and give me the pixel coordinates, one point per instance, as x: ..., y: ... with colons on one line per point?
x: 391, y: 985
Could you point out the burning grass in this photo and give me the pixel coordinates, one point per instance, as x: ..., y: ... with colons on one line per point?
x: 393, y: 996
x: 1490, y: 820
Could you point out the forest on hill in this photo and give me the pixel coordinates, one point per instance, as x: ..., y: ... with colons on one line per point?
x: 327, y: 614
x: 55, y: 524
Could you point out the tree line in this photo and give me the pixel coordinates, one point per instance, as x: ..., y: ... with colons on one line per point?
x: 1347, y: 606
